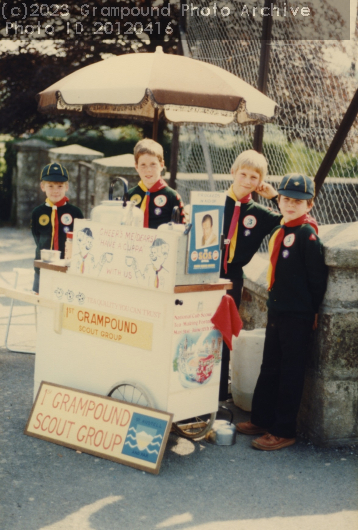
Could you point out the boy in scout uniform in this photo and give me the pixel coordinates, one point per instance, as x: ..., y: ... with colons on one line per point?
x: 297, y: 278
x: 52, y: 220
x: 152, y: 194
x: 246, y: 223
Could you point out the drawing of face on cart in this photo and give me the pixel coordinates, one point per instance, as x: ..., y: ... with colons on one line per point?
x: 84, y: 260
x: 128, y: 255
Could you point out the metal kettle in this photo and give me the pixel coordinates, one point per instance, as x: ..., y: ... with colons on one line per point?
x: 223, y: 432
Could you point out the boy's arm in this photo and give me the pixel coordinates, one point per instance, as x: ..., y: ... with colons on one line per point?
x: 316, y: 269
x: 178, y: 202
x: 34, y: 228
x: 265, y: 190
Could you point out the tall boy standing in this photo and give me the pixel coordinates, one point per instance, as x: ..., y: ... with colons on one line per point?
x: 152, y: 194
x: 297, y: 280
x: 51, y: 221
x: 246, y: 224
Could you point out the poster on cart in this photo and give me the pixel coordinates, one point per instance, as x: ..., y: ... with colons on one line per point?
x: 197, y: 350
x: 207, y: 216
x: 127, y: 255
x: 123, y: 432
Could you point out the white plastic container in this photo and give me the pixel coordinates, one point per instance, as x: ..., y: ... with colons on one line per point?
x: 50, y: 256
x: 246, y: 360
x: 115, y: 213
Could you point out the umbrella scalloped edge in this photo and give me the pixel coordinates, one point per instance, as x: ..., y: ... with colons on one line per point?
x: 133, y: 111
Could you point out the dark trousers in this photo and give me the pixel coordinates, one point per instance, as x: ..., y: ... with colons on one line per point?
x: 235, y: 292
x: 36, y: 284
x: 278, y: 391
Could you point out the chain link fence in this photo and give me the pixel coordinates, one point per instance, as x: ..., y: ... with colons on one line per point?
x: 312, y: 100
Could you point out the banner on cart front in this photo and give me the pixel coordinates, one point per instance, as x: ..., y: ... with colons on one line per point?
x: 107, y: 326
x: 128, y: 255
x: 102, y: 426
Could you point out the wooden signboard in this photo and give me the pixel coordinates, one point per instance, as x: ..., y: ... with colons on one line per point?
x: 101, y: 426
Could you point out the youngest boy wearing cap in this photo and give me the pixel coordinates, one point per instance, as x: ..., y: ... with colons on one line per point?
x: 52, y: 220
x: 297, y: 279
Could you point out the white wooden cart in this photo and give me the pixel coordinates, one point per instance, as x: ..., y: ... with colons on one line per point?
x: 150, y: 369
x: 110, y: 325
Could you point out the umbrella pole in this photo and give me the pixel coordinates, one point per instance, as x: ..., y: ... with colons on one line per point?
x: 155, y: 124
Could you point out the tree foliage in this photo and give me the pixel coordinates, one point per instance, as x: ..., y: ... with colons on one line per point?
x: 51, y: 44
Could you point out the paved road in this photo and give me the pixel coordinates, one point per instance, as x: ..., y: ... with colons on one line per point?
x: 200, y: 486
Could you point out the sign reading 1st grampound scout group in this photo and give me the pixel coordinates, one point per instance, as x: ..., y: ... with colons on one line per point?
x: 207, y: 217
x: 102, y: 426
x: 107, y: 326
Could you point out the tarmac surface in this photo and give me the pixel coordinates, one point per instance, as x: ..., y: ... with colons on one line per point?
x: 200, y: 486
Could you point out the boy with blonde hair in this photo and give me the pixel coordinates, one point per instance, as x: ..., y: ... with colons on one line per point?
x: 246, y: 223
x: 297, y: 278
x: 152, y: 194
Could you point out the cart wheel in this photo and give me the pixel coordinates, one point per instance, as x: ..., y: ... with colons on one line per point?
x: 132, y: 393
x: 196, y: 428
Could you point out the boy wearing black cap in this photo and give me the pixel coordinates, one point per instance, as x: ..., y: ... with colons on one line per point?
x: 52, y: 220
x: 297, y: 279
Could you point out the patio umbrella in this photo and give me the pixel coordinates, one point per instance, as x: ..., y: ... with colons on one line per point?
x: 146, y: 86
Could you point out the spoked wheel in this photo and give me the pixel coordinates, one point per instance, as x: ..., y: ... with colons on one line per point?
x: 132, y: 393
x: 196, y: 427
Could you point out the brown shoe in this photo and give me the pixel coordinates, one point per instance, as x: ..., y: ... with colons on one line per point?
x: 249, y: 428
x: 269, y: 442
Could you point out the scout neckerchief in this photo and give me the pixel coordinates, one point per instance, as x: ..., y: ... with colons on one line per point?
x: 82, y: 267
x: 54, y: 220
x: 233, y: 230
x: 156, y: 279
x: 145, y: 202
x: 276, y: 241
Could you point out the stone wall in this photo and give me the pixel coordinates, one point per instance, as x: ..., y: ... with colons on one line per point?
x: 329, y: 409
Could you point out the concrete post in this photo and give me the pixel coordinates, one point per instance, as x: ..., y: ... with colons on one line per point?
x: 31, y: 158
x: 329, y: 408
x: 81, y: 180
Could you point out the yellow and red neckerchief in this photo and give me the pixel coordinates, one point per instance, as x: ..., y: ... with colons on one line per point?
x: 145, y: 202
x: 276, y: 242
x: 234, y: 226
x: 54, y: 220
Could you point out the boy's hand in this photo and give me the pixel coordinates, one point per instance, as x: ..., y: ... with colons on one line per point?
x: 315, y: 323
x: 266, y: 190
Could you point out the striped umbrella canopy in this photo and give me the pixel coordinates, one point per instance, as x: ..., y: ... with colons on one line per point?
x: 147, y: 86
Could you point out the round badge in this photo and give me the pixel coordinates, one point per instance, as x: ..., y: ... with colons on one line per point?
x: 249, y: 221
x: 137, y: 199
x: 66, y: 219
x: 194, y: 255
x: 215, y: 255
x: 44, y: 220
x: 160, y: 200
x: 247, y: 232
x: 289, y: 240
x: 157, y: 211
x: 285, y: 253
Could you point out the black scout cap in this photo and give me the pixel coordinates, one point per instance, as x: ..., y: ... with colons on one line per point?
x: 55, y: 173
x: 297, y: 186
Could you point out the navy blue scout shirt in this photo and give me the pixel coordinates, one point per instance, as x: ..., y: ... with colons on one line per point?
x: 42, y: 229
x: 161, y: 204
x: 255, y: 222
x: 300, y: 275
